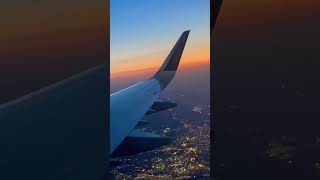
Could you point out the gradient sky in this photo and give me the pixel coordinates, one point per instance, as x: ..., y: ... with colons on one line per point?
x: 42, y: 42
x: 143, y: 32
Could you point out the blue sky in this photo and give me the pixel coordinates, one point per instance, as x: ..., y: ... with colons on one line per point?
x: 139, y: 28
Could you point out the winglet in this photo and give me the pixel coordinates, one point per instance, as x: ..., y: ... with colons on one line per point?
x: 167, y: 71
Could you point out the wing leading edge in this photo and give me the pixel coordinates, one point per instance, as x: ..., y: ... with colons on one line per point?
x: 129, y: 106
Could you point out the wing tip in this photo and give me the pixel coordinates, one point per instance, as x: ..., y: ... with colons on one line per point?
x: 172, y: 61
x: 170, y: 65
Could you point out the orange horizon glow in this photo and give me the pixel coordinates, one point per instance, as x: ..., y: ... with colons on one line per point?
x: 192, y: 56
x: 145, y: 72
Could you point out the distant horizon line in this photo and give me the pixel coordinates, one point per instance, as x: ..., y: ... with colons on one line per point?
x: 154, y: 69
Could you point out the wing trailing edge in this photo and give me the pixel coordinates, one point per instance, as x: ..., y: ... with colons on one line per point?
x: 161, y: 106
x: 140, y: 141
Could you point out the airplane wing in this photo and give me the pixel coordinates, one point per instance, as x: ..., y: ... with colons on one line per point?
x: 130, y: 105
x: 58, y: 132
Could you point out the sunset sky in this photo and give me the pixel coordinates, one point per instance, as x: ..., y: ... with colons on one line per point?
x: 143, y: 32
x: 43, y: 42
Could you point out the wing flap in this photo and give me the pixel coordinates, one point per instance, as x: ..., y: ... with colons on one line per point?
x: 139, y: 141
x: 161, y: 106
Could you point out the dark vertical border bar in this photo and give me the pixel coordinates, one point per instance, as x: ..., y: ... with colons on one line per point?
x: 215, y: 6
